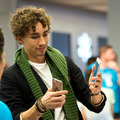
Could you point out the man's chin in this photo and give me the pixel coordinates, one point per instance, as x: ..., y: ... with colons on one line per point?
x: 43, y: 54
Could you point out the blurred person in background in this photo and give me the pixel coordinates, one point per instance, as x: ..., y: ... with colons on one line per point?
x: 5, y: 113
x: 110, y: 76
x: 113, y: 64
x: 26, y: 86
x: 106, y: 54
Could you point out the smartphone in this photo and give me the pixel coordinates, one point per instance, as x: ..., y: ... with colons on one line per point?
x: 57, y: 85
x: 96, y: 70
x: 97, y: 67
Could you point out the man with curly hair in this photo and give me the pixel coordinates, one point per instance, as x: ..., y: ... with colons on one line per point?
x: 27, y: 84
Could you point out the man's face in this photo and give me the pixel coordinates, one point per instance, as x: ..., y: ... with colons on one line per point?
x: 35, y: 43
x: 109, y: 54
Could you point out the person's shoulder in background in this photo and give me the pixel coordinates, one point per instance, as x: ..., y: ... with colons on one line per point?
x: 5, y: 113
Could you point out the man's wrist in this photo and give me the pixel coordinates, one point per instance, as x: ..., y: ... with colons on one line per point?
x: 41, y: 104
x: 96, y: 105
x: 39, y: 107
x: 95, y: 94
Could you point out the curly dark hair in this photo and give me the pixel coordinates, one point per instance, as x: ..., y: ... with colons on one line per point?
x: 1, y: 43
x: 28, y: 17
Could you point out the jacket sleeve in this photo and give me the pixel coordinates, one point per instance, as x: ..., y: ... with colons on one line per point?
x: 11, y: 92
x: 80, y: 86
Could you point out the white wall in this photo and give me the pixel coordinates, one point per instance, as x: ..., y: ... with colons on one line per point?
x: 71, y: 21
x: 114, y: 25
x: 75, y: 22
x: 10, y: 43
x: 6, y: 8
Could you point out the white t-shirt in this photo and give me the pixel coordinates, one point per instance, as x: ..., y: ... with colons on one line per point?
x: 44, y: 72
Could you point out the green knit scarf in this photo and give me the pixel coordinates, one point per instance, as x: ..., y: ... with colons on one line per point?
x: 58, y: 67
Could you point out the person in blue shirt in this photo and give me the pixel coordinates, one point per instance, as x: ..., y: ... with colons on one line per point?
x: 110, y: 76
x: 5, y: 113
x: 110, y: 81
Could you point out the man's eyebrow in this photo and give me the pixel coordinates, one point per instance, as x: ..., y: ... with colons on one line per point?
x: 34, y: 34
x: 39, y: 33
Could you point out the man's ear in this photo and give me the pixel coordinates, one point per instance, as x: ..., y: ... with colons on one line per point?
x: 19, y: 40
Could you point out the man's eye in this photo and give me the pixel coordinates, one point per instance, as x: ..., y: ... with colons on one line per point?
x: 46, y: 34
x: 35, y: 37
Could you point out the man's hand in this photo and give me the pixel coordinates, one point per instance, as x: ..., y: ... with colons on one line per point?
x: 52, y: 100
x: 95, y: 86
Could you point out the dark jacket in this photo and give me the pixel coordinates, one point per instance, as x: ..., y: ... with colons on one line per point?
x: 16, y: 93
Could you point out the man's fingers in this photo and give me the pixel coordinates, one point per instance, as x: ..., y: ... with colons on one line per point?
x: 99, y: 75
x: 59, y: 93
